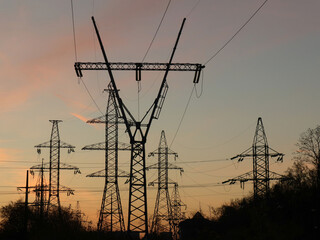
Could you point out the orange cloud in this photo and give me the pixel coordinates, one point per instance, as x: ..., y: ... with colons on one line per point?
x: 82, y: 118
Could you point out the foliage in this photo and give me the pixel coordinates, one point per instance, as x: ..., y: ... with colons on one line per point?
x: 288, y: 212
x: 309, y: 146
x: 54, y: 225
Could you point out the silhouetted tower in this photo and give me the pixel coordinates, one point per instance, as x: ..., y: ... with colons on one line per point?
x: 41, y: 188
x: 136, y: 129
x: 111, y: 216
x: 177, y: 214
x: 260, y: 152
x: 162, y: 210
x: 54, y: 166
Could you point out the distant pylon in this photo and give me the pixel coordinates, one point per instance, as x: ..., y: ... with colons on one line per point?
x: 162, y: 216
x: 41, y: 189
x: 54, y: 166
x: 111, y: 216
x: 177, y: 214
x: 260, y: 153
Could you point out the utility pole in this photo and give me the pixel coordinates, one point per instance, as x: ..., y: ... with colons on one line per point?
x: 26, y: 204
x: 260, y: 153
x: 111, y: 215
x: 162, y: 216
x: 137, y: 130
x: 54, y: 166
x: 177, y: 214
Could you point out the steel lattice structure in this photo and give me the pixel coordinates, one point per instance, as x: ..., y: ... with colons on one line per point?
x: 111, y: 215
x: 177, y: 214
x: 260, y: 153
x: 41, y: 189
x: 54, y: 166
x: 162, y: 216
x: 138, y: 132
x: 138, y: 67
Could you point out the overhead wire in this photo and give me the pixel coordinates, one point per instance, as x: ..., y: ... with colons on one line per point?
x: 76, y: 55
x: 164, y: 14
x: 236, y: 33
x: 193, y: 8
x: 183, y: 115
x: 146, y: 53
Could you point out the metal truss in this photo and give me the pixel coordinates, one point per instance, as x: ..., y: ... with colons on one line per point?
x: 111, y: 216
x: 138, y: 67
x: 162, y: 216
x: 260, y: 153
x: 177, y: 215
x: 41, y: 188
x: 138, y: 130
x: 54, y: 166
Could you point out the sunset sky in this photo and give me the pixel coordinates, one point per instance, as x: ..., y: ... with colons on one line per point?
x: 270, y: 69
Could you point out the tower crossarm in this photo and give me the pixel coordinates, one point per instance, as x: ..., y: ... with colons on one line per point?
x: 242, y: 178
x: 168, y: 152
x: 62, y: 145
x: 273, y: 153
x: 249, y: 177
x: 63, y: 166
x: 277, y: 176
x: 102, y: 119
x: 170, y: 166
x: 102, y: 146
x: 241, y: 156
x: 138, y: 67
x: 102, y: 173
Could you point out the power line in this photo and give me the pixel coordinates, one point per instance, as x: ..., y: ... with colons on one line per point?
x: 236, y: 33
x: 164, y: 14
x: 74, y: 33
x: 95, y: 103
x: 76, y: 55
x: 193, y: 8
x: 184, y: 113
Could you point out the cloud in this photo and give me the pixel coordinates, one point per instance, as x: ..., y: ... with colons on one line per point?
x: 82, y: 118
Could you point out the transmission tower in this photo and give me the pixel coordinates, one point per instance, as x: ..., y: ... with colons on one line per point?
x: 163, y: 210
x: 111, y: 216
x: 41, y: 188
x: 260, y: 153
x: 177, y: 214
x: 54, y: 166
x: 137, y: 130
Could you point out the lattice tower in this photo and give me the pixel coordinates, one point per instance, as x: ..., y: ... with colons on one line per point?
x: 162, y: 216
x: 54, y: 166
x: 111, y: 215
x: 260, y: 153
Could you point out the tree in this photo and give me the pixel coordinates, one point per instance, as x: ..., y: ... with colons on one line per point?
x: 309, y: 149
x: 65, y: 224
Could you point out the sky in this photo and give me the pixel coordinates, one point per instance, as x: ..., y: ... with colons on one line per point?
x: 269, y: 70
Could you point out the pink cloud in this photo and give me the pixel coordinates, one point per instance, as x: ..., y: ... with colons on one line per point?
x: 82, y: 118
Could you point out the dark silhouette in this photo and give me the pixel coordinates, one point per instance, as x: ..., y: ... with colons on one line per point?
x: 289, y: 212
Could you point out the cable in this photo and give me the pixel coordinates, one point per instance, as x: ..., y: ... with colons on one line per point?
x: 201, y: 91
x: 234, y: 35
x: 164, y: 14
x: 76, y: 55
x: 184, y: 113
x: 91, y: 96
x: 194, y: 7
x: 74, y: 33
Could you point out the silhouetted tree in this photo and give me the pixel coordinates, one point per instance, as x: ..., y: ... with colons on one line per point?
x: 309, y: 149
x: 55, y: 225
